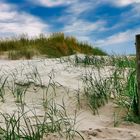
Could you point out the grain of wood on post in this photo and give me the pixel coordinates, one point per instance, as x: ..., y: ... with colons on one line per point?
x: 138, y: 69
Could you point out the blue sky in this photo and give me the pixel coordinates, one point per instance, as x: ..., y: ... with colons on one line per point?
x: 108, y: 24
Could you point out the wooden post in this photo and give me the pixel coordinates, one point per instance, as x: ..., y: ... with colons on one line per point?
x: 138, y: 69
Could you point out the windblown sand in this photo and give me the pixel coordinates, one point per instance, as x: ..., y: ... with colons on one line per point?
x: 68, y: 81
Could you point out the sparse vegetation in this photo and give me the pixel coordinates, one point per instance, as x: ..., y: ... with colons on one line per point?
x: 19, y: 125
x: 120, y: 84
x: 97, y: 90
x: 104, y: 79
x: 56, y: 45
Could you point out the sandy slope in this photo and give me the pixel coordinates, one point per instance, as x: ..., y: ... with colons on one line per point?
x: 67, y: 79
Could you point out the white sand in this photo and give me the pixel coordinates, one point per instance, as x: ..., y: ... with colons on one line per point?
x: 68, y: 81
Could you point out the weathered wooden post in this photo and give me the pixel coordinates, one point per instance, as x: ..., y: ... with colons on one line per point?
x: 138, y: 69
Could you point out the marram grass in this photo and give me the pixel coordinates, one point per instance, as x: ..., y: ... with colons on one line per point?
x: 56, y: 45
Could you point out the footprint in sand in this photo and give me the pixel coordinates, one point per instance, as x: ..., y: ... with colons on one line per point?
x: 111, y: 134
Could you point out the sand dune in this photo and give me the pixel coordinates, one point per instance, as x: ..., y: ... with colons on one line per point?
x: 68, y: 82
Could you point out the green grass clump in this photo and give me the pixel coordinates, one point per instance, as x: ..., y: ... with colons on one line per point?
x: 101, y: 61
x: 97, y: 61
x: 120, y: 85
x: 97, y: 90
x: 124, y: 87
x: 19, y: 126
x: 127, y: 93
x: 26, y: 53
x: 56, y: 45
x: 123, y: 61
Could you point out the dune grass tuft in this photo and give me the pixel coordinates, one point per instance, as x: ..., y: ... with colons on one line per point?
x: 56, y: 45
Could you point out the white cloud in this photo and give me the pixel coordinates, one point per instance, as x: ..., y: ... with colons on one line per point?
x: 114, y: 39
x: 6, y: 7
x: 76, y: 10
x: 81, y: 26
x: 83, y: 29
x: 79, y: 7
x: 121, y: 3
x: 74, y: 6
x: 51, y: 3
x: 120, y: 41
x: 76, y: 25
x: 14, y: 22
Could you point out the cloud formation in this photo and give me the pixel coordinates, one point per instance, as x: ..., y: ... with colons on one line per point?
x: 119, y: 40
x: 75, y: 22
x: 13, y: 22
x: 121, y: 3
x: 83, y: 29
x: 51, y: 3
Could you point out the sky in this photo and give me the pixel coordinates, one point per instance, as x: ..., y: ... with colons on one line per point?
x: 108, y: 24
